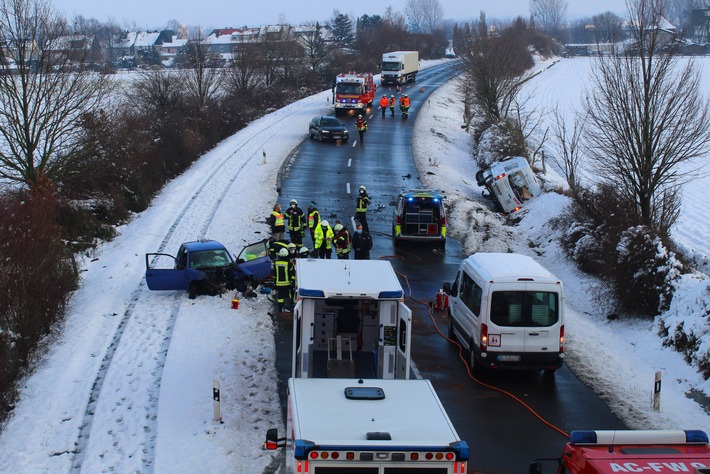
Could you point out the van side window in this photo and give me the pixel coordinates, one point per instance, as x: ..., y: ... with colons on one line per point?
x: 470, y: 294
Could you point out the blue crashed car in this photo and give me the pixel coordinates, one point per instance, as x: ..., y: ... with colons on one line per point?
x: 206, y: 267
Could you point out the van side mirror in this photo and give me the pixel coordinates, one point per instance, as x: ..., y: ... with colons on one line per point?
x: 447, y: 288
x: 272, y: 439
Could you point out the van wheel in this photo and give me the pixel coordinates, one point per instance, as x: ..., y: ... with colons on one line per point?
x: 472, y: 363
x: 548, y: 374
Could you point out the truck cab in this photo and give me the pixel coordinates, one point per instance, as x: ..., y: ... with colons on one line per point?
x: 354, y: 92
x: 607, y: 452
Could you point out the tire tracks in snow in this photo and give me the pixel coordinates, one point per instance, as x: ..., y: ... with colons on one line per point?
x: 154, y: 361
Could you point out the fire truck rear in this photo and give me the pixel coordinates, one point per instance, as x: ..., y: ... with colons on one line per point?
x: 354, y: 92
x: 650, y: 451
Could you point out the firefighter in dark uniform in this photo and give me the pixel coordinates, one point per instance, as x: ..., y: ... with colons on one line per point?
x: 361, y: 203
x: 285, y: 276
x: 294, y: 215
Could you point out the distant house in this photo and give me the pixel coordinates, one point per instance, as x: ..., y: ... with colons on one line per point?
x: 123, y: 45
x: 169, y: 49
x: 224, y: 41
x: 78, y: 47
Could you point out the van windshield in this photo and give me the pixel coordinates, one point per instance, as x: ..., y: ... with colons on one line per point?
x: 524, y: 308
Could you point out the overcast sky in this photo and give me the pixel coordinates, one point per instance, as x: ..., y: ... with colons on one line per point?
x: 235, y: 13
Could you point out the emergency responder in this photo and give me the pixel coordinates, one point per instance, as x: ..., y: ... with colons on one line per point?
x: 405, y: 106
x: 361, y: 126
x: 303, y: 252
x: 401, y: 104
x: 276, y: 221
x: 275, y: 247
x: 383, y: 104
x: 323, y: 239
x: 392, y: 105
x: 313, y: 221
x: 295, y: 217
x: 285, y: 276
x: 361, y: 203
x: 362, y: 243
x: 291, y: 247
x: 341, y: 240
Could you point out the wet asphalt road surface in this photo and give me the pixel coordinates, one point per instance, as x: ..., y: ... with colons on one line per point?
x: 504, y: 436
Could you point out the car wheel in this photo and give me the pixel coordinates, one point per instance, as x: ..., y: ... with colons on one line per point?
x: 310, y: 134
x: 192, y: 290
x: 319, y: 137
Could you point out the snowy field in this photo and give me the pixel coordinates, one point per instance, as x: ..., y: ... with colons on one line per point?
x: 149, y: 359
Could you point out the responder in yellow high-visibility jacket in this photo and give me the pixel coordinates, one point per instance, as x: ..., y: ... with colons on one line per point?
x: 323, y: 239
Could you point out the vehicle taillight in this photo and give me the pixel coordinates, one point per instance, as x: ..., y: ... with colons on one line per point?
x: 562, y: 338
x: 500, y: 176
x: 443, y: 221
x: 398, y: 220
x: 484, y: 337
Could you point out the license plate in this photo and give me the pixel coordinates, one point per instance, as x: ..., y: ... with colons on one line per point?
x: 509, y: 358
x: 337, y: 137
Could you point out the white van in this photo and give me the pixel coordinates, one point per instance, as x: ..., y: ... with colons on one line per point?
x: 507, y: 311
x: 510, y: 182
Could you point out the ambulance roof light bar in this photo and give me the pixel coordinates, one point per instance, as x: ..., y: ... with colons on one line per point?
x: 617, y: 437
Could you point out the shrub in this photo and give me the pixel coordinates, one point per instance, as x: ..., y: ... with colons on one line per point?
x: 37, y: 273
x: 645, y: 272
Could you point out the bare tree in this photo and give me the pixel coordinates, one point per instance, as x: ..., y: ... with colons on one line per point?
x: 646, y: 118
x: 494, y: 68
x: 200, y: 71
x: 423, y: 15
x: 549, y: 14
x: 244, y: 80
x: 44, y: 90
x: 569, y: 148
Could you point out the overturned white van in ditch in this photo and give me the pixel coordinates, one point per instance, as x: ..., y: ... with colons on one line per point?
x: 510, y: 183
x: 507, y: 311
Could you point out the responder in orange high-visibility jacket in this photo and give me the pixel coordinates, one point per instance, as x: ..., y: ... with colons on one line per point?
x: 392, y: 105
x: 405, y: 106
x: 383, y: 104
x: 277, y: 223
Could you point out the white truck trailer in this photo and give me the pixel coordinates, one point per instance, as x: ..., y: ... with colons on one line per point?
x: 399, y: 67
x: 350, y: 321
x: 368, y: 427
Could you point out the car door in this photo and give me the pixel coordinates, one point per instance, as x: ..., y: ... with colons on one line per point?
x: 163, y: 273
x: 254, y: 259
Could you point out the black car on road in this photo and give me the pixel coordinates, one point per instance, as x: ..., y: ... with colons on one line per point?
x: 325, y: 127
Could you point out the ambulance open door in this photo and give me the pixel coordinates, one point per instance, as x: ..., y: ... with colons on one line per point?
x: 299, y: 355
x: 404, y: 336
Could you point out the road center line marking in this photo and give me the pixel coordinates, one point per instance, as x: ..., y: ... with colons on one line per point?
x: 350, y: 162
x: 347, y: 188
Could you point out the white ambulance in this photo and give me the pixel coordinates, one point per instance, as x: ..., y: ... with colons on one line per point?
x: 507, y: 311
x: 350, y: 321
x: 510, y: 183
x: 343, y: 426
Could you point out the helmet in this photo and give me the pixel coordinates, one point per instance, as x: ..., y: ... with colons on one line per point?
x: 338, y: 227
x: 359, y: 116
x: 405, y: 95
x: 325, y: 223
x: 303, y: 250
x: 291, y: 245
x: 392, y: 96
x: 293, y: 201
x: 283, y: 253
x: 362, y: 188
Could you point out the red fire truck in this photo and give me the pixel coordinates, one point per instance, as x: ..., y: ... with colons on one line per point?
x: 354, y: 92
x: 609, y: 452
